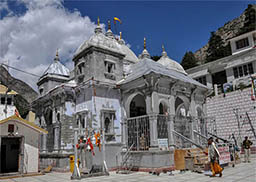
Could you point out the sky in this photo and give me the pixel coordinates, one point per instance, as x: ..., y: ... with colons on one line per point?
x: 32, y: 30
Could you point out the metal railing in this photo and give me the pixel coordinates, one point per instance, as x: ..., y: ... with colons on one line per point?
x: 187, y: 139
x: 138, y: 132
x: 124, y: 162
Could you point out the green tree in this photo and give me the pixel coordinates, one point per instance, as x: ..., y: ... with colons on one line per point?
x: 189, y: 60
x: 250, y: 20
x: 217, y: 48
x: 155, y: 58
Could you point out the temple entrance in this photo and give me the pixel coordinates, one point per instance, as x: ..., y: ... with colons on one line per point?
x: 182, y: 123
x: 162, y: 117
x: 138, y: 106
x: 138, y: 125
x: 10, y: 150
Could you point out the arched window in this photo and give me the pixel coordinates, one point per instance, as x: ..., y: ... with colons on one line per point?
x: 107, y: 125
x: 138, y: 106
x: 163, y: 109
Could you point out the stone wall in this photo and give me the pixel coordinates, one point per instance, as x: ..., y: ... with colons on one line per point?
x: 222, y: 107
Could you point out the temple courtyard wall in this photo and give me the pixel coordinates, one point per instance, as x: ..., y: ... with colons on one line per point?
x: 229, y: 111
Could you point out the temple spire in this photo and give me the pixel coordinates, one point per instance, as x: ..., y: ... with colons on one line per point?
x: 109, y: 33
x: 57, y: 55
x: 121, y: 41
x: 98, y: 28
x: 164, y: 53
x: 144, y: 53
x: 144, y: 42
x: 109, y: 25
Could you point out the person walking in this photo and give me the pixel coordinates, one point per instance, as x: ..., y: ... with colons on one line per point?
x: 213, y: 157
x: 247, y: 149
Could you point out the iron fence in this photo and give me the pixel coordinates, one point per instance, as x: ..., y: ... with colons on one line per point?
x: 162, y: 128
x: 139, y: 133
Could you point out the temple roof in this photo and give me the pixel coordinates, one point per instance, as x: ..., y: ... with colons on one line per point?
x: 102, y: 41
x: 170, y: 64
x: 129, y: 54
x: 146, y: 66
x: 57, y: 68
x: 24, y: 122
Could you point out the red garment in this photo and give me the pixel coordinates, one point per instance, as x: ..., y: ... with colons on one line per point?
x: 90, y: 144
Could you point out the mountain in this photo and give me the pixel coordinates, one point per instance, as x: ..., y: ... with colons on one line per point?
x: 25, y: 93
x: 226, y: 32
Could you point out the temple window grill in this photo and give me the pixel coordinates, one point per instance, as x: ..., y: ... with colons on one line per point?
x: 109, y: 70
x: 80, y: 68
x: 109, y: 67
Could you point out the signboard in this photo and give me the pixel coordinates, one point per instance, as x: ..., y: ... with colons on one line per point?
x: 224, y: 155
x: 163, y: 143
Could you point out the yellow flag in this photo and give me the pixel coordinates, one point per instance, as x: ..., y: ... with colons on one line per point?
x: 117, y: 19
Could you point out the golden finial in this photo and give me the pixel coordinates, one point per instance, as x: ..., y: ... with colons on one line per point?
x: 144, y: 42
x: 57, y: 53
x: 120, y: 35
x: 109, y: 26
x: 98, y: 21
x: 163, y: 48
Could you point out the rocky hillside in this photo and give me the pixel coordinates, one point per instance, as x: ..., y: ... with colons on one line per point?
x: 26, y: 93
x: 229, y: 30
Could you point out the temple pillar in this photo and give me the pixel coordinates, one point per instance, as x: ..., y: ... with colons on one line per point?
x: 193, y: 114
x: 43, y: 136
x: 56, y: 131
x: 171, y: 121
x: 53, y: 116
x: 149, y: 109
x: 153, y: 130
x: 44, y: 143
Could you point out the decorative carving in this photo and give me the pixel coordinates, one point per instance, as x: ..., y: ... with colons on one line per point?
x: 107, y: 106
x: 110, y: 76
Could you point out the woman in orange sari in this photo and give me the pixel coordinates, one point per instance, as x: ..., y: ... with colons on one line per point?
x: 213, y: 156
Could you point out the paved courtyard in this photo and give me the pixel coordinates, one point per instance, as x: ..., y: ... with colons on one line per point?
x: 243, y: 172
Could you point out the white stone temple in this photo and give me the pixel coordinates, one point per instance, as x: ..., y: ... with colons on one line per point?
x: 141, y: 105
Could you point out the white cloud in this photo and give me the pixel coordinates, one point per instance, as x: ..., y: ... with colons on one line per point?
x: 29, y: 41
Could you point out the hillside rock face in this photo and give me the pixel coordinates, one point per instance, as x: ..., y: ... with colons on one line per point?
x: 17, y: 85
x: 228, y: 31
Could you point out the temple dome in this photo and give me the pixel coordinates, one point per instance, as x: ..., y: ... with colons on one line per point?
x: 170, y: 64
x: 56, y: 68
x: 99, y: 39
x: 129, y: 54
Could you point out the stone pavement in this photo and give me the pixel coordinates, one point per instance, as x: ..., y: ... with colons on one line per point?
x: 243, y: 172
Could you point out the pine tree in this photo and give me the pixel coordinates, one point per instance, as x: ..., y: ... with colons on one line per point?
x: 250, y: 20
x: 188, y: 60
x: 155, y: 58
x: 217, y: 48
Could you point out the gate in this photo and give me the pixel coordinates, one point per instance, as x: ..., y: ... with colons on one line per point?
x: 162, y: 128
x: 183, y: 125
x: 138, y: 133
